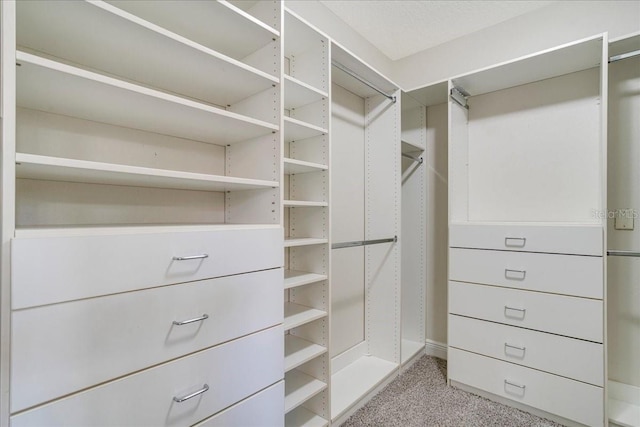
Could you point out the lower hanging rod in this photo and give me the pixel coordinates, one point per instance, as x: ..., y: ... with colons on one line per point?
x: 623, y: 253
x: 624, y: 56
x: 415, y: 159
x: 363, y: 81
x: 394, y: 239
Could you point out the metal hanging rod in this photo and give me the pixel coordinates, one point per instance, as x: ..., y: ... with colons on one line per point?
x: 624, y: 56
x: 415, y: 159
x: 623, y: 253
x: 363, y: 81
x: 394, y: 239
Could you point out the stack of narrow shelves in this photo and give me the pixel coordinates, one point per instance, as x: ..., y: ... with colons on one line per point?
x: 306, y: 223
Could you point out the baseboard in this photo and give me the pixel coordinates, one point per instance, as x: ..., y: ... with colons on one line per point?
x: 436, y: 349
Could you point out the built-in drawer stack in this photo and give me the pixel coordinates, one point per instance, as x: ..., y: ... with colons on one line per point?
x: 148, y: 329
x: 526, y: 315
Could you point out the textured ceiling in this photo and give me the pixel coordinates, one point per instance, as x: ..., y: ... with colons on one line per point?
x: 401, y: 28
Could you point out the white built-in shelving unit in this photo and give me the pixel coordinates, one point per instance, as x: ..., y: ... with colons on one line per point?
x: 306, y: 202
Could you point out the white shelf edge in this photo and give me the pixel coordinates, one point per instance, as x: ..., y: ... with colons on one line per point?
x: 414, y: 146
x: 295, y: 278
x: 304, y: 241
x: 109, y: 173
x: 307, y: 86
x: 303, y: 204
x: 303, y: 165
x: 299, y: 351
x: 300, y: 123
x: 297, y: 315
x: 299, y: 388
x: 250, y: 18
x: 302, y: 417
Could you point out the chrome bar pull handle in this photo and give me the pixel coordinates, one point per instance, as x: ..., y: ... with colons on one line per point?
x: 520, y: 386
x: 515, y: 274
x: 515, y: 242
x: 192, y: 395
x: 186, y: 322
x: 522, y: 349
x: 188, y: 258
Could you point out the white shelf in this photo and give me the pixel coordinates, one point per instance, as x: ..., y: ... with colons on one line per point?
x: 356, y: 380
x: 294, y: 166
x: 58, y: 88
x: 32, y: 166
x: 624, y: 414
x: 297, y: 315
x: 411, y: 147
x: 295, y: 130
x: 304, y: 241
x: 298, y: 351
x: 82, y: 32
x: 304, y: 204
x: 410, y: 348
x: 302, y: 417
x: 293, y: 278
x: 298, y: 94
x: 299, y: 388
x: 299, y: 37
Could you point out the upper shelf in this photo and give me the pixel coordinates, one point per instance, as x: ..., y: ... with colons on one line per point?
x: 298, y: 94
x: 102, y: 37
x: 433, y: 94
x: 569, y: 58
x: 70, y: 170
x: 295, y: 130
x: 57, y: 88
x: 299, y: 36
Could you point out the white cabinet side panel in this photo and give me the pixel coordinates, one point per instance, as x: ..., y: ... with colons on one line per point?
x: 458, y: 136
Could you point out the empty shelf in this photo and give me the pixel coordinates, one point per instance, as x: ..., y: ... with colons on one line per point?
x: 81, y: 32
x: 293, y: 166
x: 298, y: 94
x: 293, y: 278
x: 302, y: 417
x: 303, y: 204
x: 623, y: 413
x: 299, y: 388
x: 304, y: 241
x: 295, y: 130
x: 298, y: 351
x: 58, y: 88
x: 297, y: 315
x: 411, y: 147
x: 32, y: 166
x: 410, y: 348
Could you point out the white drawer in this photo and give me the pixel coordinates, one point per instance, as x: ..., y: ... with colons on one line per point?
x: 232, y: 371
x: 567, y: 398
x: 560, y: 239
x: 260, y: 410
x: 61, y: 348
x: 569, y: 357
x: 57, y: 269
x: 570, y: 316
x: 559, y: 274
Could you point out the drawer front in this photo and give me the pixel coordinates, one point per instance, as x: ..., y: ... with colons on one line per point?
x: 570, y: 316
x: 263, y: 409
x: 559, y: 274
x: 232, y: 371
x: 578, y: 240
x: 70, y: 268
x: 61, y: 348
x: 569, y: 357
x: 567, y: 398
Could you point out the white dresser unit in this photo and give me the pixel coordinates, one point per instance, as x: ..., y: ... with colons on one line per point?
x: 527, y: 156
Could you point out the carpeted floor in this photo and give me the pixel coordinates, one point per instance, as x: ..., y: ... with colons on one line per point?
x: 420, y: 397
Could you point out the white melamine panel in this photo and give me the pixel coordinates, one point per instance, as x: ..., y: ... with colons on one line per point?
x: 567, y: 398
x: 294, y: 278
x: 413, y: 123
x: 535, y: 152
x: 347, y: 298
x: 342, y: 56
x: 568, y: 357
x: 558, y: 314
x: 62, y: 348
x: 267, y: 403
x: 102, y: 37
x: 304, y: 241
x: 58, y: 88
x: 293, y: 166
x: 298, y: 93
x: 231, y: 371
x: 581, y: 239
x: 300, y: 387
x: 297, y: 315
x: 303, y: 204
x: 558, y: 61
x: 295, y: 130
x: 298, y: 351
x: 303, y: 417
x: 119, y: 263
x: 558, y: 274
x: 458, y: 162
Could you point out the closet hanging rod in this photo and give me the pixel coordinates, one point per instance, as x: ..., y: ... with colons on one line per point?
x: 363, y: 81
x: 623, y: 253
x: 624, y: 56
x: 394, y: 239
x: 415, y: 159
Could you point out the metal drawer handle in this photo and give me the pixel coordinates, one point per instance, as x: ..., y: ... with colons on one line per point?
x: 515, y: 346
x: 522, y: 387
x: 522, y: 274
x: 521, y: 310
x: 187, y: 258
x: 192, y: 395
x: 517, y: 242
x: 186, y: 322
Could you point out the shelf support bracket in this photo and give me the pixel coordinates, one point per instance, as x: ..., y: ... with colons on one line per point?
x: 459, y: 96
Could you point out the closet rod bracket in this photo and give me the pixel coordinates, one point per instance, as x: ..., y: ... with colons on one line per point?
x: 459, y: 96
